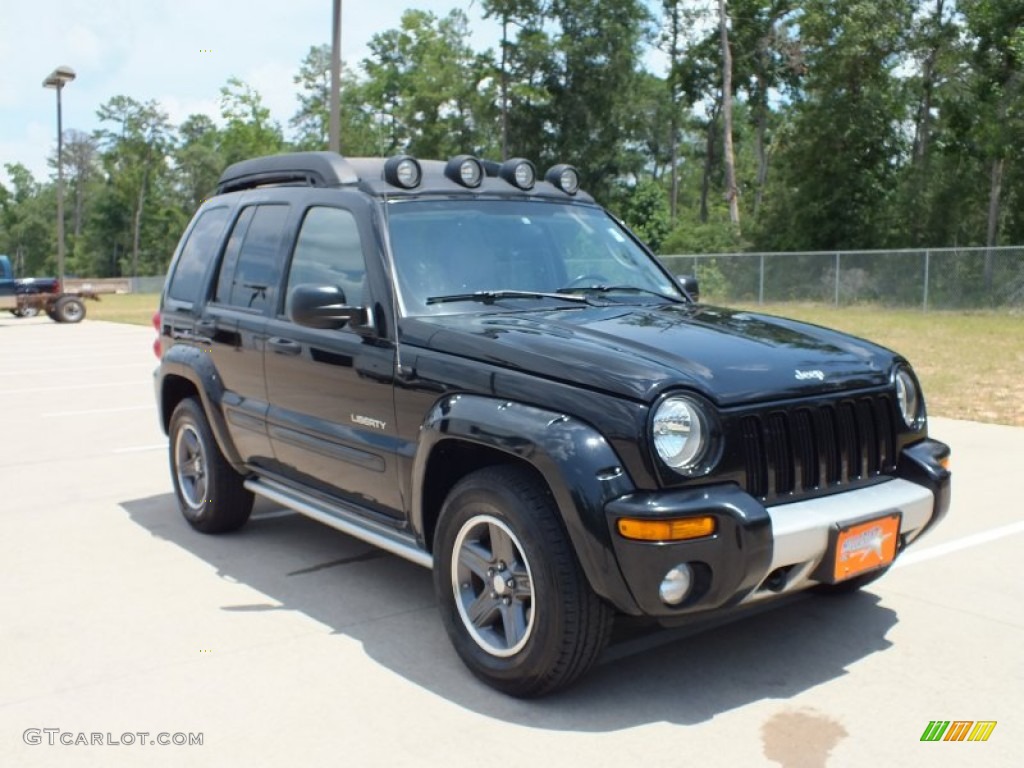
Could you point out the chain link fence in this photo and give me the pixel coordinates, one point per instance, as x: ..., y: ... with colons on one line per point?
x: 935, y: 278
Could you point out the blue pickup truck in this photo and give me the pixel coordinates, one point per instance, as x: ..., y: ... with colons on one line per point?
x: 29, y: 296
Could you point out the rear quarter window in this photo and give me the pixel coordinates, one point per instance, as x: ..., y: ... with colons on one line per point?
x: 199, y: 250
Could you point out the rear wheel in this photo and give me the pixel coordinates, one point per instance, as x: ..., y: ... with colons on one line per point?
x: 211, y: 494
x: 512, y: 594
x: 69, y: 309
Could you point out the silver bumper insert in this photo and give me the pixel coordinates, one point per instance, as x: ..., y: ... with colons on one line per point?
x: 800, y: 531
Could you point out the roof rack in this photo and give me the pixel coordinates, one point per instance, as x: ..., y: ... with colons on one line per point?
x: 303, y: 169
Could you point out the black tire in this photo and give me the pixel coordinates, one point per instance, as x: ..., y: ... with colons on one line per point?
x: 542, y: 626
x: 69, y: 309
x: 850, y: 586
x: 210, y: 493
x: 29, y: 310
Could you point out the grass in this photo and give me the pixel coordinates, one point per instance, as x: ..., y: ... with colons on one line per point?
x: 971, y: 364
x: 134, y: 308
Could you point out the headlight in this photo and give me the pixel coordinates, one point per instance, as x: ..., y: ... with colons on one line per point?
x: 908, y: 397
x: 683, y: 435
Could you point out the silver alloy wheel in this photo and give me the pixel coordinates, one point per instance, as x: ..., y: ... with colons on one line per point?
x: 493, y: 586
x: 190, y: 466
x: 73, y: 312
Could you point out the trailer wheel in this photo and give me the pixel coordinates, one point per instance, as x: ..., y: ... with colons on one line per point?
x: 29, y: 310
x: 69, y: 309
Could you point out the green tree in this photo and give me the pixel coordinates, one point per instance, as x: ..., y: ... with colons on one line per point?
x: 592, y: 82
x: 198, y: 159
x: 644, y: 208
x: 249, y: 130
x: 843, y: 143
x: 360, y: 134
x: 27, y: 229
x: 135, y: 151
x: 430, y: 88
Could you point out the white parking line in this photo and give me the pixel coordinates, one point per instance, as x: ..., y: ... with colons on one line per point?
x: 141, y: 448
x: 71, y: 387
x: 974, y: 540
x: 77, y: 369
x: 15, y: 354
x: 150, y: 407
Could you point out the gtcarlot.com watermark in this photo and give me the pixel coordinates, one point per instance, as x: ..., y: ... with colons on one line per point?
x: 56, y: 736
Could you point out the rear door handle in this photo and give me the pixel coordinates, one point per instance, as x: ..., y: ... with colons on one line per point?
x: 284, y: 346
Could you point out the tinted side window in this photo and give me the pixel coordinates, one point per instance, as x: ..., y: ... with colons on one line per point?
x: 329, y: 252
x: 253, y: 276
x: 199, y: 249
x: 230, y: 259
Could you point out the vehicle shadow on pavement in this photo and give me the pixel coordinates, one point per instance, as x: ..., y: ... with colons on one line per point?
x: 387, y: 604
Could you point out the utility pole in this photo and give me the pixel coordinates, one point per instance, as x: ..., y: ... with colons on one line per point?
x: 334, y: 125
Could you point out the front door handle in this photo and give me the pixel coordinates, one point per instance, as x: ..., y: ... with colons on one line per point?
x: 284, y: 346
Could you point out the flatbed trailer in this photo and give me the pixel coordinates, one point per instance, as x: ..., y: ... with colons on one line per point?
x: 29, y: 297
x: 63, y: 307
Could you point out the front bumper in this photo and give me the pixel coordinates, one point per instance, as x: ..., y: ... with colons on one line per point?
x: 757, y: 551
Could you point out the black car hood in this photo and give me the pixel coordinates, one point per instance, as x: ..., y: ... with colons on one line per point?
x: 730, y: 357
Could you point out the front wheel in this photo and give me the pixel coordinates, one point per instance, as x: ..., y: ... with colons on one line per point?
x: 211, y: 494
x: 512, y: 594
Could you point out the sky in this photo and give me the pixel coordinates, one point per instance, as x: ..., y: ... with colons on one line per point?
x: 178, y: 52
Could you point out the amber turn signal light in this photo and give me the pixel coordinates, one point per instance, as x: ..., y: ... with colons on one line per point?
x: 667, y: 530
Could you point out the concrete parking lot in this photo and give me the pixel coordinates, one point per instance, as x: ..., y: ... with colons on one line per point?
x: 288, y: 643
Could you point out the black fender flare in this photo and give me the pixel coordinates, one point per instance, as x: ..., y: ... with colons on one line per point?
x: 186, y: 362
x: 580, y: 467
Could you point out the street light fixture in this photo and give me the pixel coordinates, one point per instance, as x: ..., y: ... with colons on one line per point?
x: 57, y: 80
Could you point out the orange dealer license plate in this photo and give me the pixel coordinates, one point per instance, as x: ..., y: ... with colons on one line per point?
x: 861, y: 547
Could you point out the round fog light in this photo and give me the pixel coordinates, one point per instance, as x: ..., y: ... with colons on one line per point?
x: 676, y: 584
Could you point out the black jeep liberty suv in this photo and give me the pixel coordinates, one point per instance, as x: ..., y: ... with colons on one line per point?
x: 486, y: 373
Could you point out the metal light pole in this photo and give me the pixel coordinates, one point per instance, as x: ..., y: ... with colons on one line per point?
x: 334, y: 126
x: 56, y: 80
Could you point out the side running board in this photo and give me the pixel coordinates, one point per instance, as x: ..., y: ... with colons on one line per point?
x: 342, y: 519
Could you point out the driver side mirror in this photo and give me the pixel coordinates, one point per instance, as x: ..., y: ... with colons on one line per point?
x: 690, y: 283
x: 322, y: 306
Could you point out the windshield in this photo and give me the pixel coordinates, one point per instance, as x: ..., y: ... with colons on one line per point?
x: 447, y: 250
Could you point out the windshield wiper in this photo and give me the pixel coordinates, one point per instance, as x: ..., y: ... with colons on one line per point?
x: 619, y: 289
x: 489, y: 297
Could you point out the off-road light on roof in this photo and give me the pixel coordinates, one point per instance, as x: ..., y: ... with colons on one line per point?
x: 518, y: 172
x: 465, y: 170
x: 402, y: 171
x: 565, y: 177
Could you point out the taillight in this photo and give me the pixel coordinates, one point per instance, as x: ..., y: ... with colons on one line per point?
x: 157, y: 348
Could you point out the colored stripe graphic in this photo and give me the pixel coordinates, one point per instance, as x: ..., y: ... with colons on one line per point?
x: 958, y: 730
x: 982, y: 730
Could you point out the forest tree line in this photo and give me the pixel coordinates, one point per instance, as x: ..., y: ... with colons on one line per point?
x: 769, y: 125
